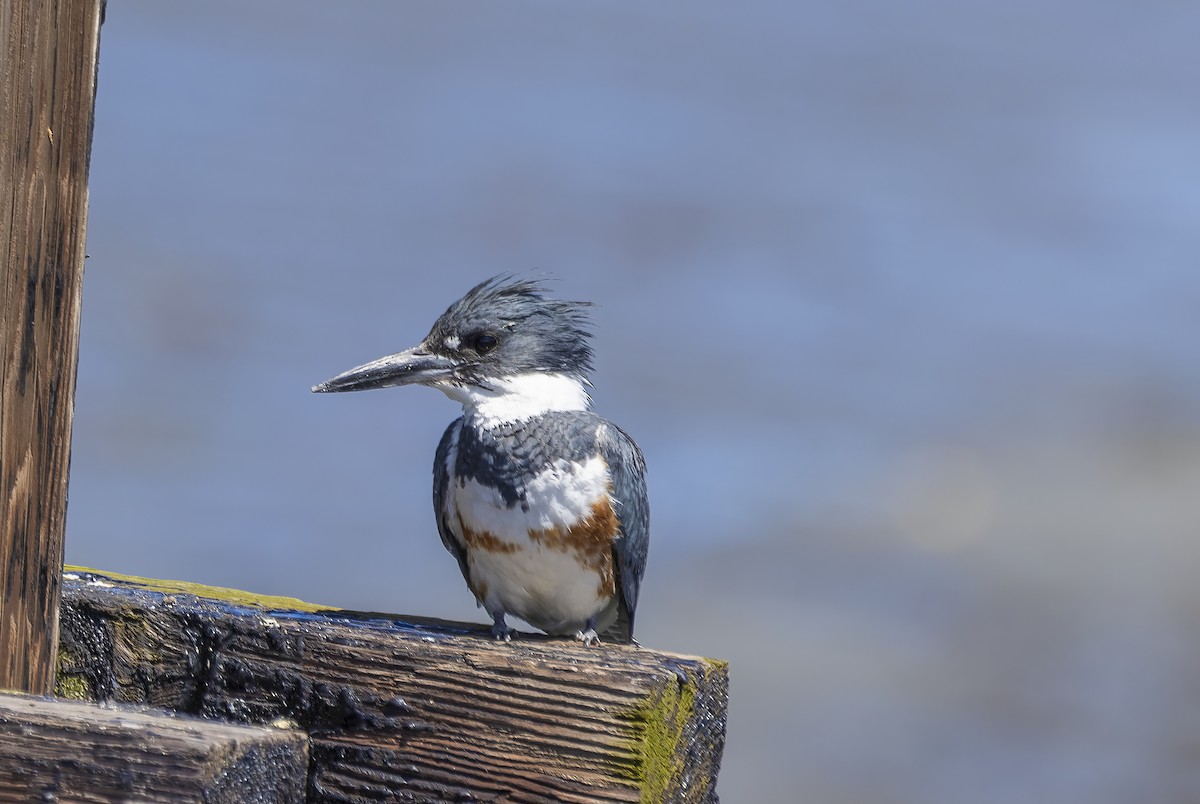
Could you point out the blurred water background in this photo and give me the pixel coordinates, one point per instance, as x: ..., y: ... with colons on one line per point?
x: 900, y: 300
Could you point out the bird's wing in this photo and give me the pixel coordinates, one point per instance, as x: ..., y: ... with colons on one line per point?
x: 627, y: 471
x: 441, y: 483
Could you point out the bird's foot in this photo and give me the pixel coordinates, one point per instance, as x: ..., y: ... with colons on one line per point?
x: 588, y: 635
x: 500, y: 629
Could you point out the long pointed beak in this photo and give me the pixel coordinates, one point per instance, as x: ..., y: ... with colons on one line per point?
x: 414, y: 366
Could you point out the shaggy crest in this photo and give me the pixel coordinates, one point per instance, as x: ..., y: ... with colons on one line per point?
x: 532, y: 332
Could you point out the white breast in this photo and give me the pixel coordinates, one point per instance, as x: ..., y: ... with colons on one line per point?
x: 554, y: 583
x: 559, y: 497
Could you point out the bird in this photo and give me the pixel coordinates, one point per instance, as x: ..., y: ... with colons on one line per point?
x: 542, y: 502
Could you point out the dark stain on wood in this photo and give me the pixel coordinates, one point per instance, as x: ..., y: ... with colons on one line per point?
x: 424, y: 710
x: 58, y: 750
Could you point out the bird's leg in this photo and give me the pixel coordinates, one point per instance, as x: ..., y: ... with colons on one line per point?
x: 500, y: 629
x: 588, y: 635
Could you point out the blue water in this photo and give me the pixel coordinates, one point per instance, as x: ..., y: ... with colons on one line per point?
x: 899, y: 300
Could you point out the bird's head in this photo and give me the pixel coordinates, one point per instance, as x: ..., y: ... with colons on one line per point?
x: 503, y: 342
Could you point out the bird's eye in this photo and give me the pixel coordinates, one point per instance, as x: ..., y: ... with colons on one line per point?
x: 485, y: 343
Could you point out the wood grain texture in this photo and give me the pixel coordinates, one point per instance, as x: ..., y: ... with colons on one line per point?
x: 406, y: 709
x: 53, y: 750
x: 48, y: 56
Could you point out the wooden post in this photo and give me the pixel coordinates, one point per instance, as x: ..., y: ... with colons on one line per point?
x: 58, y: 750
x: 48, y: 57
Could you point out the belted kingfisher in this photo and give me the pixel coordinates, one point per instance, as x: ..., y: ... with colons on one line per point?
x: 542, y: 502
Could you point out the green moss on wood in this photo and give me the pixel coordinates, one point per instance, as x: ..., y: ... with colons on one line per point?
x: 235, y: 597
x: 70, y: 684
x: 659, y: 727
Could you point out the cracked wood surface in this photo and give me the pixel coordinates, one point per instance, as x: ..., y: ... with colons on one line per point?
x: 56, y: 750
x: 401, y: 708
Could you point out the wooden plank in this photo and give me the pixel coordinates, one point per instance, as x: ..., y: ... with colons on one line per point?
x: 48, y: 56
x: 53, y: 750
x: 405, y: 708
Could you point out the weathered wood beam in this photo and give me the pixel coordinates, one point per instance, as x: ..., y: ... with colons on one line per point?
x: 54, y: 750
x: 405, y: 708
x: 48, y: 56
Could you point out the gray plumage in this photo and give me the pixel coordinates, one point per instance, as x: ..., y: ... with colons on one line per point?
x: 628, y: 470
x: 547, y: 335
